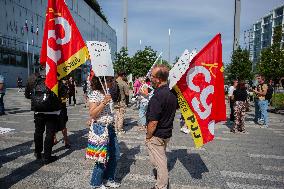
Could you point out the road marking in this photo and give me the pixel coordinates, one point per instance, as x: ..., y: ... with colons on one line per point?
x: 248, y: 186
x: 140, y: 178
x: 265, y: 156
x: 273, y: 168
x: 252, y: 176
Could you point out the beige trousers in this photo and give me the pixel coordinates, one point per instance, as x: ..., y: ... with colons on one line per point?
x: 157, y: 152
x: 119, y: 109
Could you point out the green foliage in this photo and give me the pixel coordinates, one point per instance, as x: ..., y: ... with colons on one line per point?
x: 97, y: 8
x: 142, y: 61
x: 240, y: 67
x: 271, y: 63
x: 278, y: 100
x: 122, y: 61
x: 139, y: 64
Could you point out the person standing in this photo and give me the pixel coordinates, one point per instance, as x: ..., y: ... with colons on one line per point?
x: 20, y: 84
x: 63, y: 88
x: 72, y: 90
x: 2, y: 93
x: 240, y: 97
x: 120, y: 106
x: 230, y: 99
x: 260, y: 92
x: 103, y: 147
x: 160, y: 116
x: 46, y: 107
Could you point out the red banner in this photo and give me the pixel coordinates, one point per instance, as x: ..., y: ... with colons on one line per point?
x: 63, y: 48
x: 201, y: 92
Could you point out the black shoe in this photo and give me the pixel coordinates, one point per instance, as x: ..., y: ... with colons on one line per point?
x: 38, y: 155
x: 67, y: 146
x: 50, y: 159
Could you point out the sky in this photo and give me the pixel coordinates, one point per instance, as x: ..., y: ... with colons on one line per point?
x: 193, y: 23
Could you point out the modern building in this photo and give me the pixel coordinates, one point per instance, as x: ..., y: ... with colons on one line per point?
x: 21, y: 30
x: 260, y: 35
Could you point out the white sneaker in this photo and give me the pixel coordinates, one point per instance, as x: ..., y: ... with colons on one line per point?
x: 185, y: 130
x: 112, y: 184
x: 100, y: 187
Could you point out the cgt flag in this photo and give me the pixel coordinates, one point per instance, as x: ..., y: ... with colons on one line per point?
x: 201, y: 93
x: 63, y: 48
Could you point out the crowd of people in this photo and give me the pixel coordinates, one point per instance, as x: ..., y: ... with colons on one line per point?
x: 107, y: 99
x: 240, y: 95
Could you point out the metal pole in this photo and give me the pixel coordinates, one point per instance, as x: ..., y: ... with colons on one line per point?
x: 28, y: 55
x: 125, y: 21
x: 169, y: 45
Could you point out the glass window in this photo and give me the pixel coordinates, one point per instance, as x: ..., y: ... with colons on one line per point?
x: 12, y: 59
x: 266, y: 20
x: 18, y: 60
x: 5, y: 58
x: 24, y: 60
x: 279, y: 12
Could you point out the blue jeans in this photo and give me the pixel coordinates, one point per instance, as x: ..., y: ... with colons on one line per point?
x: 107, y: 172
x: 2, y: 110
x: 263, y: 106
x: 142, y: 113
x: 257, y: 113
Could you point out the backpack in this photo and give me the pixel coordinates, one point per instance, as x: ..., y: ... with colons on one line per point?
x: 269, y: 92
x: 42, y: 98
x: 115, y: 92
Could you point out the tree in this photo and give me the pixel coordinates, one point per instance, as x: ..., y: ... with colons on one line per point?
x: 240, y: 67
x: 122, y: 62
x: 142, y: 61
x: 271, y: 63
x: 97, y: 8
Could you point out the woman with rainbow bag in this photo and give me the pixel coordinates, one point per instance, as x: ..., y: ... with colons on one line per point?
x: 102, y: 146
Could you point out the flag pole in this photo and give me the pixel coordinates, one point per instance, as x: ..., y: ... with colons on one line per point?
x: 102, y: 85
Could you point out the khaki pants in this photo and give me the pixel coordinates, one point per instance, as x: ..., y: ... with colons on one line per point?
x: 119, y: 109
x: 157, y: 152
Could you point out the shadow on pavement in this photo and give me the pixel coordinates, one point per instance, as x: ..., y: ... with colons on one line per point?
x: 19, y: 111
x: 126, y: 160
x: 12, y: 153
x: 129, y: 123
x: 192, y: 162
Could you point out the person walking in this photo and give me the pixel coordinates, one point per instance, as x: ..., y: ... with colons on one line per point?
x: 46, y: 107
x: 144, y: 97
x: 160, y: 116
x: 72, y: 90
x: 19, y: 84
x: 2, y: 94
x: 63, y: 88
x: 240, y: 97
x: 260, y: 92
x: 103, y: 147
x: 120, y: 106
x: 230, y: 99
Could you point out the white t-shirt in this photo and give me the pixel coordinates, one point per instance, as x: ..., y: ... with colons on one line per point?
x: 231, y: 90
x: 105, y: 116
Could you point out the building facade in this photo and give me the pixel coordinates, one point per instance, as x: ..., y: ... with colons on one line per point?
x: 21, y: 31
x: 261, y: 34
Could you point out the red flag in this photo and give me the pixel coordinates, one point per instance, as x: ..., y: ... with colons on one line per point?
x: 63, y: 48
x: 201, y: 92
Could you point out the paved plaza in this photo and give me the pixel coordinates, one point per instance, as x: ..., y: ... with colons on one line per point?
x: 253, y: 160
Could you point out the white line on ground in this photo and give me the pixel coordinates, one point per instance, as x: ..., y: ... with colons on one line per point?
x: 265, y: 156
x: 252, y: 176
x: 248, y: 186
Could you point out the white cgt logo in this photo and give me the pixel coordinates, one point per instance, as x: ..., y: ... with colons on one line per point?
x: 203, y: 94
x: 55, y: 55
